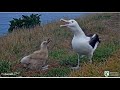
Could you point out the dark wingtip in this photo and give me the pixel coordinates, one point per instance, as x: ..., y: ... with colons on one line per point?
x: 98, y: 38
x: 94, y: 39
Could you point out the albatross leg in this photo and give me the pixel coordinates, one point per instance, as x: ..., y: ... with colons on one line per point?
x: 78, y: 65
x: 90, y: 57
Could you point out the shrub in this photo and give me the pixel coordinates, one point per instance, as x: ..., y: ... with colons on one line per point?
x: 25, y: 22
x: 5, y: 66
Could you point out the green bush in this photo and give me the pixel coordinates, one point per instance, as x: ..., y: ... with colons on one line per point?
x: 5, y: 66
x: 25, y: 22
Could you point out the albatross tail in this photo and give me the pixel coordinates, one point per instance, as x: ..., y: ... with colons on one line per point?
x: 95, y: 39
x: 96, y: 46
x: 25, y: 60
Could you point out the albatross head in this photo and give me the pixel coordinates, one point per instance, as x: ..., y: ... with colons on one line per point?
x: 74, y: 27
x: 45, y: 43
x: 72, y: 24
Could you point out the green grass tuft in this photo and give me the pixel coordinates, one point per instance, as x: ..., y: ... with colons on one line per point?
x: 58, y: 72
x: 5, y: 66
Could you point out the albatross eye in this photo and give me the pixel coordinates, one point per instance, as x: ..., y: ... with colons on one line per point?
x: 72, y: 21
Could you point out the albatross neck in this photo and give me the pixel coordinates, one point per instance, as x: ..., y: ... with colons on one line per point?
x: 78, y: 32
x: 44, y: 48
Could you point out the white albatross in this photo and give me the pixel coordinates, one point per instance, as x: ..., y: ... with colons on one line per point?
x: 37, y: 60
x: 83, y: 45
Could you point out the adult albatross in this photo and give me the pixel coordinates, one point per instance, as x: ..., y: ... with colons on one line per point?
x: 82, y: 44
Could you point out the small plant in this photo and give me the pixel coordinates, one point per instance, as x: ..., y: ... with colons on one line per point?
x: 58, y: 54
x: 5, y: 66
x: 58, y: 72
x: 69, y: 61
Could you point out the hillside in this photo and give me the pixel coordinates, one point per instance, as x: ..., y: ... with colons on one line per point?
x: 22, y: 42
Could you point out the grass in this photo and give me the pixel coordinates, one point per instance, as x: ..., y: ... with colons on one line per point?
x: 5, y: 66
x: 106, y: 50
x: 69, y: 61
x: 20, y: 43
x: 97, y: 69
x: 57, y: 54
x: 58, y: 72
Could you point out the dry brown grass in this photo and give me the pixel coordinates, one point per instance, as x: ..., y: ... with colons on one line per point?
x: 97, y: 69
x: 22, y: 42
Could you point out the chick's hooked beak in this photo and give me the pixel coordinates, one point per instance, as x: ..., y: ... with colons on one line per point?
x: 48, y: 41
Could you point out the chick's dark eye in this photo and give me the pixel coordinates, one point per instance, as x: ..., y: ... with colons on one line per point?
x: 72, y: 21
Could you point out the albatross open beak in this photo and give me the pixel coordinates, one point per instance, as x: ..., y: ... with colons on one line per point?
x: 66, y: 22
